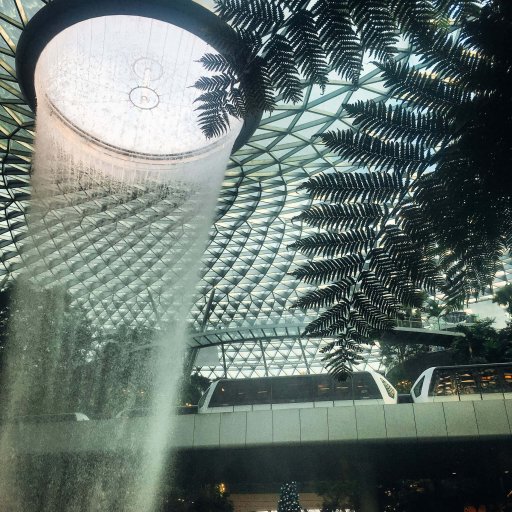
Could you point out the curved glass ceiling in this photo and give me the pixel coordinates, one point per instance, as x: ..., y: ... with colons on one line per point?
x: 243, y: 297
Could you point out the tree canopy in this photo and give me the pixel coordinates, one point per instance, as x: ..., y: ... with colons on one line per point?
x: 430, y: 208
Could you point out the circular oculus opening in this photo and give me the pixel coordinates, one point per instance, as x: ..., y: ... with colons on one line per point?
x: 127, y: 82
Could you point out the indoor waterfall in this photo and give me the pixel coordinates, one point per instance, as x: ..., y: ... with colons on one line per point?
x: 124, y: 193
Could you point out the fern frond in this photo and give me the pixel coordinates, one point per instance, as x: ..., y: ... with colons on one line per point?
x: 309, y: 54
x: 325, y: 296
x: 374, y: 288
x: 337, y: 187
x: 258, y: 89
x: 214, y: 114
x: 328, y: 245
x: 334, y: 316
x: 375, y: 26
x: 338, y: 37
x: 215, y: 82
x: 251, y: 15
x: 376, y: 305
x: 323, y: 271
x: 282, y: 70
x: 342, y: 216
x: 399, y: 122
x: 422, y: 90
x: 363, y: 149
x: 216, y: 63
x: 413, y: 16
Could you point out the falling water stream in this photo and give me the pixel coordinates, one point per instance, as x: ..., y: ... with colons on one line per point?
x: 124, y: 193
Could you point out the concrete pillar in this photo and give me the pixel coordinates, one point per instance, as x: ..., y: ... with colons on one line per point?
x: 367, y: 486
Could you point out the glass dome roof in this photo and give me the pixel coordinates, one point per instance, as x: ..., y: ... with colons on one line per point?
x: 243, y: 297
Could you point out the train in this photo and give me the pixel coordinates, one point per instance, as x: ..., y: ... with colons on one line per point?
x: 436, y: 384
x: 298, y: 391
x: 464, y: 382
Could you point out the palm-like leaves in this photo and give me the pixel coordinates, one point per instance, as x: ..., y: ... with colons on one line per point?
x: 284, y: 43
x: 436, y: 201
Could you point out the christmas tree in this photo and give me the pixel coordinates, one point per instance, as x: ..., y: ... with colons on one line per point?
x: 289, y: 499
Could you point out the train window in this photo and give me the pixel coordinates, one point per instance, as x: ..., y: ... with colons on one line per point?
x: 251, y: 391
x: 292, y: 390
x: 507, y: 379
x: 443, y: 383
x: 223, y: 394
x: 489, y: 380
x: 322, y: 388
x: 417, y: 389
x: 342, y: 390
x: 466, y: 382
x: 365, y: 388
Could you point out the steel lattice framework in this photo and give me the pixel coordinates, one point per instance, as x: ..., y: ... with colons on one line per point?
x: 243, y: 297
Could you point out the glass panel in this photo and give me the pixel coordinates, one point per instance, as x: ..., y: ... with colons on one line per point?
x: 417, y: 388
x: 342, y: 390
x: 224, y: 394
x: 489, y: 380
x: 259, y: 392
x: 292, y: 390
x: 322, y: 388
x: 507, y: 379
x: 365, y: 388
x: 467, y: 383
x: 443, y: 383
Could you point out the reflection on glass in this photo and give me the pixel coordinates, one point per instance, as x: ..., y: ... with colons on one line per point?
x: 489, y: 381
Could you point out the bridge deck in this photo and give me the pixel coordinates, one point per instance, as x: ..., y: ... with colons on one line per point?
x: 478, y: 420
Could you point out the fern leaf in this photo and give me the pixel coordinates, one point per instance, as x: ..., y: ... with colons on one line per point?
x: 215, y: 63
x: 342, y: 216
x: 337, y: 187
x: 330, y: 270
x: 282, y: 70
x: 338, y: 37
x: 375, y: 26
x: 363, y: 149
x: 251, y: 15
x: 399, y: 122
x: 422, y: 89
x: 328, y: 245
x: 309, y: 54
x: 325, y: 296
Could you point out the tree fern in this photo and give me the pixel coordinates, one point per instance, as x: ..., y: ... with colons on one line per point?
x: 329, y: 244
x: 308, y: 39
x: 343, y: 216
x: 446, y: 219
x: 399, y: 122
x: 375, y: 152
x: 420, y: 89
x: 339, y: 187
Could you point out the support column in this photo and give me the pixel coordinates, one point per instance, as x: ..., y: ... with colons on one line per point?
x: 367, y: 485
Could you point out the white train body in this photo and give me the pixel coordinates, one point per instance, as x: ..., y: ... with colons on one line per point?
x: 465, y: 382
x: 299, y: 391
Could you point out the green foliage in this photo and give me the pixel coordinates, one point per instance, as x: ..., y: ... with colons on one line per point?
x: 395, y: 354
x: 503, y: 297
x: 280, y: 45
x: 433, y: 210
x: 192, y: 388
x: 482, y: 343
